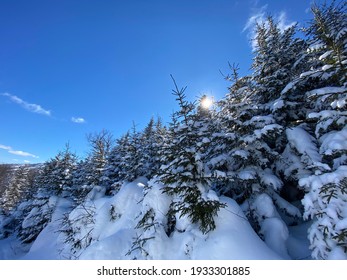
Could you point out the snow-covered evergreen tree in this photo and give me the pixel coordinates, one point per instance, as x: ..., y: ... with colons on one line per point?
x: 37, y: 213
x: 54, y: 182
x: 136, y: 154
x: 235, y: 108
x: 17, y: 188
x: 314, y: 106
x: 16, y: 196
x: 152, y: 139
x: 185, y: 174
x: 6, y: 173
x: 127, y: 158
x: 134, y: 163
x: 275, y: 55
x: 116, y: 163
x: 326, y: 196
x: 95, y: 165
x: 256, y: 131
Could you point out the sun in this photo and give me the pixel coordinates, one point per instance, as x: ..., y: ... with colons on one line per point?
x: 206, y: 102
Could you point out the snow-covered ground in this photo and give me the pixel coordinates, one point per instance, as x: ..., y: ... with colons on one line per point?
x: 113, y: 232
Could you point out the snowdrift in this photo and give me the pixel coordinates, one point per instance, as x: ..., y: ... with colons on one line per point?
x: 113, y: 231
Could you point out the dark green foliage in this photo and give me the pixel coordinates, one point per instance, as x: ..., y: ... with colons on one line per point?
x: 199, y: 211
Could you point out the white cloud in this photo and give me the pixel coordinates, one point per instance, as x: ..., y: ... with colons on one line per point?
x: 18, y: 153
x: 78, y: 120
x: 21, y: 153
x: 283, y: 22
x: 5, y: 147
x: 259, y: 16
x: 26, y: 161
x: 34, y: 108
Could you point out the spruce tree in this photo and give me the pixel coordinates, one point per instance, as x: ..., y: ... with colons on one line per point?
x: 152, y: 139
x: 326, y: 195
x: 130, y: 157
x: 6, y: 173
x: 275, y: 54
x: 53, y: 182
x: 101, y: 145
x: 38, y: 212
x: 17, y: 199
x: 116, y: 167
x: 256, y: 129
x: 17, y: 188
x: 185, y: 174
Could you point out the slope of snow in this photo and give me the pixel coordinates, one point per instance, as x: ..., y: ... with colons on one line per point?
x: 49, y: 245
x: 276, y: 234
x: 11, y: 248
x: 233, y: 237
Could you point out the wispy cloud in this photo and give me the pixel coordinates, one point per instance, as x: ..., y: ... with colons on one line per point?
x: 283, y: 22
x: 259, y: 16
x: 18, y: 153
x: 21, y: 153
x: 5, y: 147
x: 31, y: 107
x: 78, y: 120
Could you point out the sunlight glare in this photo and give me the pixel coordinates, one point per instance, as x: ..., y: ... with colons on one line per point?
x: 207, y: 102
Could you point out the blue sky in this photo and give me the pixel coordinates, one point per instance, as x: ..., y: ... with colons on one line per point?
x: 73, y: 67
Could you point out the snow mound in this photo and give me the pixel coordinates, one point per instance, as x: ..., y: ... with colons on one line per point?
x: 276, y: 234
x: 115, y: 235
x: 233, y: 238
